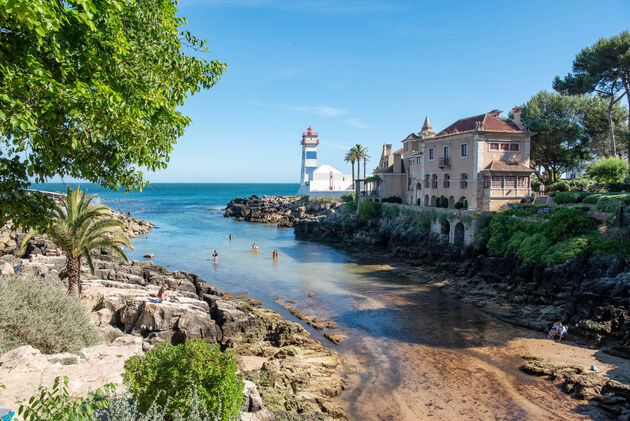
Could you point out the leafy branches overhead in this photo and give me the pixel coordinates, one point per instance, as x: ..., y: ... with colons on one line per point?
x: 90, y: 88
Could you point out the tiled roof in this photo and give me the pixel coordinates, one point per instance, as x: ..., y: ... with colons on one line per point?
x: 399, y: 151
x: 507, y: 166
x: 488, y: 121
x: 411, y: 136
x: 390, y: 169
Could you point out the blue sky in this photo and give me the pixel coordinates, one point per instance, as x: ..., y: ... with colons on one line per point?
x: 365, y: 72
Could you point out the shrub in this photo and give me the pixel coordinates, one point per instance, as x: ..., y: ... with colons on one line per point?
x: 608, y: 170
x: 392, y: 199
x: 580, y: 183
x: 458, y: 205
x: 592, y: 198
x: 424, y: 219
x: 347, y: 198
x: 570, y: 197
x: 57, y: 404
x: 618, y: 187
x: 369, y: 210
x: 568, y: 222
x: 390, y: 212
x: 465, y: 204
x: 516, y: 240
x: 350, y: 207
x: 534, y: 249
x: 565, y: 250
x: 40, y: 313
x: 173, y: 376
x: 558, y: 186
x: 611, y: 203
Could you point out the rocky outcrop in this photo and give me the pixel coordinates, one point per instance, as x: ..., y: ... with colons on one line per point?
x: 283, y: 211
x: 609, y: 395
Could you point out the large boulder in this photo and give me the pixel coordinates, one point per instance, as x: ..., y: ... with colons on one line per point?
x: 234, y: 319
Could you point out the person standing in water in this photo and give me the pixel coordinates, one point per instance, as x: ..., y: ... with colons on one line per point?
x: 254, y: 248
x: 275, y: 254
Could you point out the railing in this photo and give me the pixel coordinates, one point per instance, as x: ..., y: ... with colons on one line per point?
x: 444, y: 162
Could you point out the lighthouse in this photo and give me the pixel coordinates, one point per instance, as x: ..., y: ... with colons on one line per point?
x: 310, y: 141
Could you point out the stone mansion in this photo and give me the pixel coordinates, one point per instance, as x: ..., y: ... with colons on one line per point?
x: 482, y: 162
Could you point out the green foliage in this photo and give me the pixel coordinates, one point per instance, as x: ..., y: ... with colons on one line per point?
x: 369, y: 210
x: 166, y: 376
x: 534, y: 249
x: 561, y: 142
x: 92, y: 89
x: 393, y: 199
x: 570, y: 197
x: 350, y: 207
x: 593, y: 198
x: 608, y: 170
x: 561, y: 186
x: 39, y: 313
x: 425, y: 218
x: 618, y: 187
x: 503, y: 226
x: 56, y: 404
x: 515, y: 241
x: 565, y: 250
x: 77, y: 228
x: 466, y: 219
x: 612, y: 203
x: 583, y: 183
x: 442, y: 218
x: 568, y: 222
x: 458, y: 205
x: 390, y: 212
x: 347, y: 198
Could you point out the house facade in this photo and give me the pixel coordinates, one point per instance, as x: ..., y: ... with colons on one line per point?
x: 392, y: 172
x: 482, y: 162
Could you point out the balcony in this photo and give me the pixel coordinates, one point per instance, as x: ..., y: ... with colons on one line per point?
x: 444, y: 162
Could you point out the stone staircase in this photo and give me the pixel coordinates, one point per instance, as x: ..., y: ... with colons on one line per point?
x: 543, y: 200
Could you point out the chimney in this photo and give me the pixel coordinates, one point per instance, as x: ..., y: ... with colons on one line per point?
x: 387, y: 149
x: 517, y: 118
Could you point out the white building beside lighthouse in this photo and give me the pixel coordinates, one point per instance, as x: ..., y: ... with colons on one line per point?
x: 320, y: 181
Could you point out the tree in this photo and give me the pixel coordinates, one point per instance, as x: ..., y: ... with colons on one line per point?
x: 361, y: 153
x: 596, y: 122
x: 91, y: 89
x: 560, y: 142
x: 350, y: 157
x: 608, y: 170
x: 603, y: 68
x: 79, y: 227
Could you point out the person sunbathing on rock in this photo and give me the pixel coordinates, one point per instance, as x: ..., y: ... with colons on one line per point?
x: 162, y: 293
x: 555, y: 329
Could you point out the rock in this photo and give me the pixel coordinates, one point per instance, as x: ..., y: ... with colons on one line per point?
x: 234, y: 320
x: 6, y: 269
x: 149, y: 256
x: 335, y: 337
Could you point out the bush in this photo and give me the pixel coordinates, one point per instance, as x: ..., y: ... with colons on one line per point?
x: 458, y: 205
x: 369, y: 210
x: 611, y: 203
x: 592, y: 198
x: 608, y: 170
x: 559, y: 186
x: 347, y: 198
x: 515, y: 242
x: 534, y: 249
x: 565, y: 250
x: 580, y: 183
x: 425, y: 218
x: 570, y: 197
x: 568, y: 222
x: 390, y: 212
x: 618, y: 187
x: 392, y: 199
x: 40, y: 313
x: 165, y: 376
x: 350, y: 207
x: 57, y: 404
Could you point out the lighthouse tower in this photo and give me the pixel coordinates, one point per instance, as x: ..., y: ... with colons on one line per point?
x: 309, y: 160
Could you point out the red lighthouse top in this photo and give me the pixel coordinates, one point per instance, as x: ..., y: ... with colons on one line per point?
x: 310, y: 131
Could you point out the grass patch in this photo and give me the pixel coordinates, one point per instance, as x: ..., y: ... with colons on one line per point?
x: 40, y: 313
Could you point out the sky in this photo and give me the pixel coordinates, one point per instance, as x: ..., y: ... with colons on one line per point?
x: 365, y: 72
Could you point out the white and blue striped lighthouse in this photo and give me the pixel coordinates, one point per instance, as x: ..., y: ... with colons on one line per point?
x: 309, y: 160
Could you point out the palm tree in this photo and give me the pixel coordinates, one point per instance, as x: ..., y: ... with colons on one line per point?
x: 350, y: 158
x: 361, y: 153
x: 77, y: 228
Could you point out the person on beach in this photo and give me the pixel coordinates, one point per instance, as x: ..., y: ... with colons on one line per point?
x: 275, y: 254
x: 162, y: 293
x: 128, y: 213
x: 215, y: 255
x: 563, y: 332
x: 254, y: 248
x: 555, y: 329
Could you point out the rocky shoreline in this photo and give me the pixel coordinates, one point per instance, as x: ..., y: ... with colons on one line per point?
x: 284, y: 211
x: 292, y: 374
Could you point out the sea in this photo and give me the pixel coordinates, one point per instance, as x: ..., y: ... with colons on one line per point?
x: 400, y: 332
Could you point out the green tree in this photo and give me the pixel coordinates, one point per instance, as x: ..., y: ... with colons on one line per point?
x: 603, y: 68
x: 79, y: 227
x: 597, y: 125
x: 608, y: 170
x: 351, y: 157
x: 561, y: 142
x: 171, y: 375
x: 91, y: 89
x: 361, y: 153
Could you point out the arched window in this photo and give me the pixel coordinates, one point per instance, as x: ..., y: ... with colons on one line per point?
x: 434, y: 181
x: 427, y: 181
x: 464, y: 181
x: 426, y: 200
x: 433, y: 200
x: 447, y: 181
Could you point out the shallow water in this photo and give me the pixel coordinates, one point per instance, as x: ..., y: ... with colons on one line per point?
x: 416, y: 352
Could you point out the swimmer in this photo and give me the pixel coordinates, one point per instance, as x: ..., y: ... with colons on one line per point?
x: 254, y: 248
x: 275, y: 254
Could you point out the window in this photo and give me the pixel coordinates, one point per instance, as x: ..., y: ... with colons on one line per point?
x: 494, y: 146
x: 431, y: 154
x: 510, y: 182
x: 497, y: 182
x: 486, y: 182
x: 427, y: 181
x: 463, y: 150
x: 419, y: 160
x: 447, y: 181
x: 447, y: 151
x: 464, y: 181
x: 434, y: 181
x: 523, y: 182
x: 504, y: 146
x: 514, y: 147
